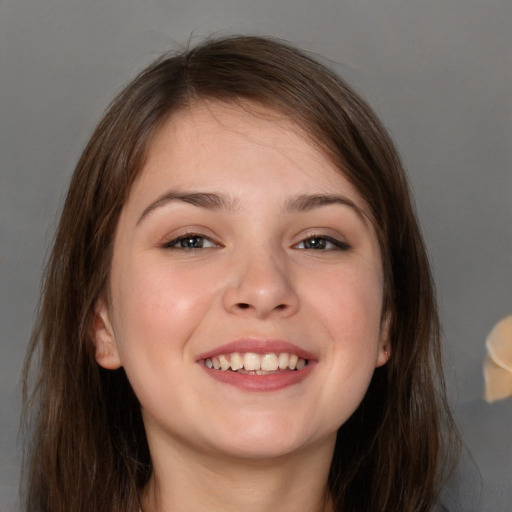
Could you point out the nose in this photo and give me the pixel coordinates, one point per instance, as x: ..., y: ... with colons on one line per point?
x: 261, y: 286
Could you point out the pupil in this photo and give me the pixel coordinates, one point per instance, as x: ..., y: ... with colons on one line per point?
x: 315, y: 243
x: 193, y: 242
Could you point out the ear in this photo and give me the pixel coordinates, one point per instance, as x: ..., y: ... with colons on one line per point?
x: 106, y: 352
x: 385, y: 342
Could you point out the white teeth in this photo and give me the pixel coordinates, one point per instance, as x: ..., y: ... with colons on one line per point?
x: 237, y: 361
x: 269, y: 362
x: 260, y: 364
x: 224, y: 363
x: 252, y: 361
x: 283, y: 361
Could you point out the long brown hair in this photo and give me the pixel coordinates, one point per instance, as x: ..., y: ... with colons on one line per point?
x: 88, y: 449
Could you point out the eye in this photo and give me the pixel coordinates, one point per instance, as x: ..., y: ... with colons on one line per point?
x: 190, y: 241
x: 322, y: 243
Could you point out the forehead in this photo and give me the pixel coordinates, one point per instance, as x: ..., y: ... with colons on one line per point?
x: 210, y: 125
x: 217, y: 145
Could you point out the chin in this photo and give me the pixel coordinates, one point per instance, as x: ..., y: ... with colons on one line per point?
x: 266, y: 438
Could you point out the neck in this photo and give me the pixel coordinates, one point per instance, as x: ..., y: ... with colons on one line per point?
x: 187, y: 480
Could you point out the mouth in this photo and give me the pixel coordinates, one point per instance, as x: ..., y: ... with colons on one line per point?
x: 258, y: 365
x: 251, y: 363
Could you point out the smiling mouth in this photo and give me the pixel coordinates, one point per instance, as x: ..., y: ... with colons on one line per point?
x: 251, y: 363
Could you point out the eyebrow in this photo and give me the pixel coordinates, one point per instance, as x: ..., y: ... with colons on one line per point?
x: 306, y: 202
x: 218, y: 201
x: 208, y: 200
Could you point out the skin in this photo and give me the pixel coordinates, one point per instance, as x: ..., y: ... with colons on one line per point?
x: 215, y: 446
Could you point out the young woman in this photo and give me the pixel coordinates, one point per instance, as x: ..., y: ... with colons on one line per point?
x: 238, y: 312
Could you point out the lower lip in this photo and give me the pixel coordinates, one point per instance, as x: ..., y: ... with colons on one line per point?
x: 261, y: 383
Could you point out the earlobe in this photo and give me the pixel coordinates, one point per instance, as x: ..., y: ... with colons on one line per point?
x: 385, y: 343
x: 103, y: 337
x: 384, y: 355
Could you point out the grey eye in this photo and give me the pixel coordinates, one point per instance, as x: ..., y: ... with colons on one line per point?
x: 315, y: 243
x: 190, y: 241
x: 325, y: 243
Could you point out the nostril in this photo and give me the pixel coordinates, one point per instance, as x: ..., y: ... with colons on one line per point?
x: 244, y: 305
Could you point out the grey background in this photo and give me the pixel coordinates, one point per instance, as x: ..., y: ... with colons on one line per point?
x: 438, y: 72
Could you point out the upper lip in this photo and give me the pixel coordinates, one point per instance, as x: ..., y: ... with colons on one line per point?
x: 257, y: 346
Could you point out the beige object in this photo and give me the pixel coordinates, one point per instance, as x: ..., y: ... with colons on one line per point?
x: 498, y: 363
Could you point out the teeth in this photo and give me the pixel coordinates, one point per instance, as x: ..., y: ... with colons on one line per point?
x: 284, y: 359
x: 269, y: 363
x: 259, y: 364
x: 224, y: 363
x: 237, y: 361
x: 252, y: 361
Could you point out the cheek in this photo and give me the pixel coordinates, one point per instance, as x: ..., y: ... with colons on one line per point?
x: 351, y: 313
x: 353, y: 324
x: 156, y: 312
x: 157, y: 308
x: 350, y: 302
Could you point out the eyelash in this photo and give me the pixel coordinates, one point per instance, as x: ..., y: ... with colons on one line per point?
x: 338, y: 244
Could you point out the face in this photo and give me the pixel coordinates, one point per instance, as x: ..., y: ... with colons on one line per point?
x: 246, y: 288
